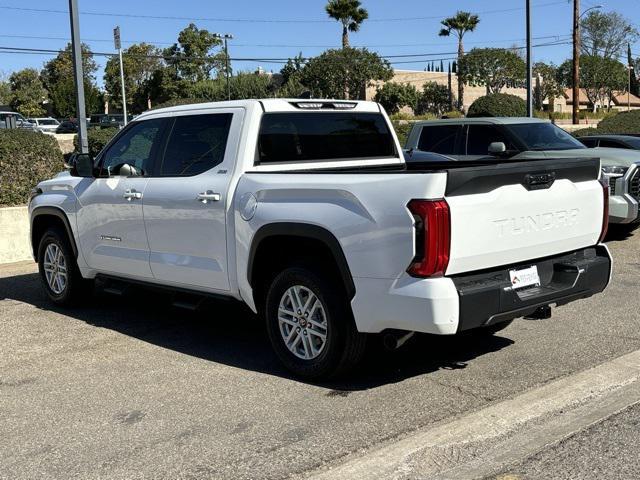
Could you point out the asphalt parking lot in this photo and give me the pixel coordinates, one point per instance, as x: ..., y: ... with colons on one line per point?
x: 129, y: 387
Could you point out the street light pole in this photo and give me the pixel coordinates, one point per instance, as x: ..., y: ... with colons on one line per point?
x: 118, y: 45
x: 529, y: 64
x: 576, y: 57
x: 78, y: 76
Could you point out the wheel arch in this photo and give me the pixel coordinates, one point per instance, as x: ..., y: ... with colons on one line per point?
x: 304, y: 234
x: 45, y: 217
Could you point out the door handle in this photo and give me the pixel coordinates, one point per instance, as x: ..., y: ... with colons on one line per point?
x: 132, y: 194
x: 208, y: 196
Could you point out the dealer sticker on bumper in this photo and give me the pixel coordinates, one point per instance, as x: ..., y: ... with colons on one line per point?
x: 525, y: 277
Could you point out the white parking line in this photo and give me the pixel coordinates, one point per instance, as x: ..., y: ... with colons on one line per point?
x: 481, y: 443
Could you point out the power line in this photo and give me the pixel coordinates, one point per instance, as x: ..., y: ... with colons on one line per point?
x: 110, y: 40
x: 256, y: 20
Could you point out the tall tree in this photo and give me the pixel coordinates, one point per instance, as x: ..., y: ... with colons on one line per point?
x: 344, y: 73
x: 459, y: 25
x: 495, y: 68
x: 139, y: 62
x: 57, y: 76
x: 606, y: 34
x: 27, y: 92
x: 350, y: 14
x: 599, y: 77
x: 548, y: 87
x: 191, y: 57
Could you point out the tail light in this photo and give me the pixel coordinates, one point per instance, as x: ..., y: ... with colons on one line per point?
x: 605, y: 209
x: 433, y: 237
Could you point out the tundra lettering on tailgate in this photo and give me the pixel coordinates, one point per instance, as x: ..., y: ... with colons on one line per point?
x: 535, y: 223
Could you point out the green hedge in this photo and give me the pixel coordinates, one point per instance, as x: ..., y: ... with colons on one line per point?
x: 97, y: 139
x: 402, y: 130
x: 498, y: 105
x: 585, y: 132
x: 26, y: 158
x: 622, y: 123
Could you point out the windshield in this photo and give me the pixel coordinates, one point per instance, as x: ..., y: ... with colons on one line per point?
x: 544, y: 136
x: 48, y: 122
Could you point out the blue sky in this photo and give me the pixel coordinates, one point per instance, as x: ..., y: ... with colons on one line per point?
x: 400, y: 27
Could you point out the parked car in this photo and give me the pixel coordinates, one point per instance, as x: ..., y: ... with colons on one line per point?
x: 45, y: 125
x: 9, y: 118
x: 611, y: 141
x: 68, y: 126
x: 306, y: 211
x: 109, y: 120
x: 531, y: 138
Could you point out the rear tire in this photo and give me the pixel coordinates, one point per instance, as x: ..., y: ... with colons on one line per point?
x: 310, y: 324
x: 59, y: 271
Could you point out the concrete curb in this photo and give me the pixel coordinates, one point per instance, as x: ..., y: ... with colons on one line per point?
x: 14, y: 234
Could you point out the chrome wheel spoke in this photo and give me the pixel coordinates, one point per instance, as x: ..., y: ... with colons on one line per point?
x: 55, y: 268
x: 302, y: 322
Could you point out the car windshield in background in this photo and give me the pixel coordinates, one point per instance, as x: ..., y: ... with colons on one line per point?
x: 48, y: 122
x: 544, y: 136
x: 298, y: 137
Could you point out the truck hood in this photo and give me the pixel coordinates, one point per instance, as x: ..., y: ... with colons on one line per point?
x: 608, y: 156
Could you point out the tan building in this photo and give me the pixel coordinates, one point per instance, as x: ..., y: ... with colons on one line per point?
x: 419, y: 78
x: 620, y: 101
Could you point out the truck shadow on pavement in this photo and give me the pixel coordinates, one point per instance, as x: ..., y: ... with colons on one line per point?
x: 228, y: 333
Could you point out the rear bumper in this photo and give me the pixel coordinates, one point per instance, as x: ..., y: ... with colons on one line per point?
x: 448, y: 305
x: 487, y: 298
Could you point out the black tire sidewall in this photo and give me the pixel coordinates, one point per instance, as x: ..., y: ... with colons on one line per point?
x: 56, y: 237
x: 336, y: 311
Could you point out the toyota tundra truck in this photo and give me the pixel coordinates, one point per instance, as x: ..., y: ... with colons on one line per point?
x: 306, y: 211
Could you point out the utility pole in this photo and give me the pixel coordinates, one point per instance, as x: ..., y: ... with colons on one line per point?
x: 529, y: 64
x: 226, y: 37
x: 78, y: 76
x: 630, y: 69
x: 576, y: 62
x: 118, y: 44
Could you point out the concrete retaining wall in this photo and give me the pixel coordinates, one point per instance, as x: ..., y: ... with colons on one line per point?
x: 14, y: 234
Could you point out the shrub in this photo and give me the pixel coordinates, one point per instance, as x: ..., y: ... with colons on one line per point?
x: 498, y: 105
x: 452, y: 114
x: 402, y: 129
x: 394, y: 96
x: 26, y: 158
x: 97, y: 139
x: 584, y: 132
x: 622, y: 123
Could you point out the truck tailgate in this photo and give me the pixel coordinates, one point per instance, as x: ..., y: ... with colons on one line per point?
x: 517, y: 211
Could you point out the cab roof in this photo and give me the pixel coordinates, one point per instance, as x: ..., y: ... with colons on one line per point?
x: 274, y: 105
x: 493, y: 120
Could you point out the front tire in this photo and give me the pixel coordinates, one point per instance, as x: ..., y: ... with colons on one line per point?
x: 310, y: 325
x: 59, y: 272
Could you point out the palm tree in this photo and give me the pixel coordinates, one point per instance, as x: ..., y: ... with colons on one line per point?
x: 460, y: 24
x: 350, y: 14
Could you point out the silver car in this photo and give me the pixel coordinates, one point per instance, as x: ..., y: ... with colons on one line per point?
x: 45, y: 124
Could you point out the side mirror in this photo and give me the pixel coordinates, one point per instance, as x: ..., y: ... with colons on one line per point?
x: 80, y: 165
x: 497, y: 148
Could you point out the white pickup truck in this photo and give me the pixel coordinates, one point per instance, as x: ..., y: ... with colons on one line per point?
x: 306, y: 211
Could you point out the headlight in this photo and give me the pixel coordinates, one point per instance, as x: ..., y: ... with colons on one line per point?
x: 614, y: 171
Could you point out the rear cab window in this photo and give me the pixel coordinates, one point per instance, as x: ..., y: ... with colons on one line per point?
x: 296, y: 137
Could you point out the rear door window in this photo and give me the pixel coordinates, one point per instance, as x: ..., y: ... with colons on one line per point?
x: 479, y: 137
x: 612, y: 144
x: 440, y: 139
x: 300, y: 137
x: 196, y: 144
